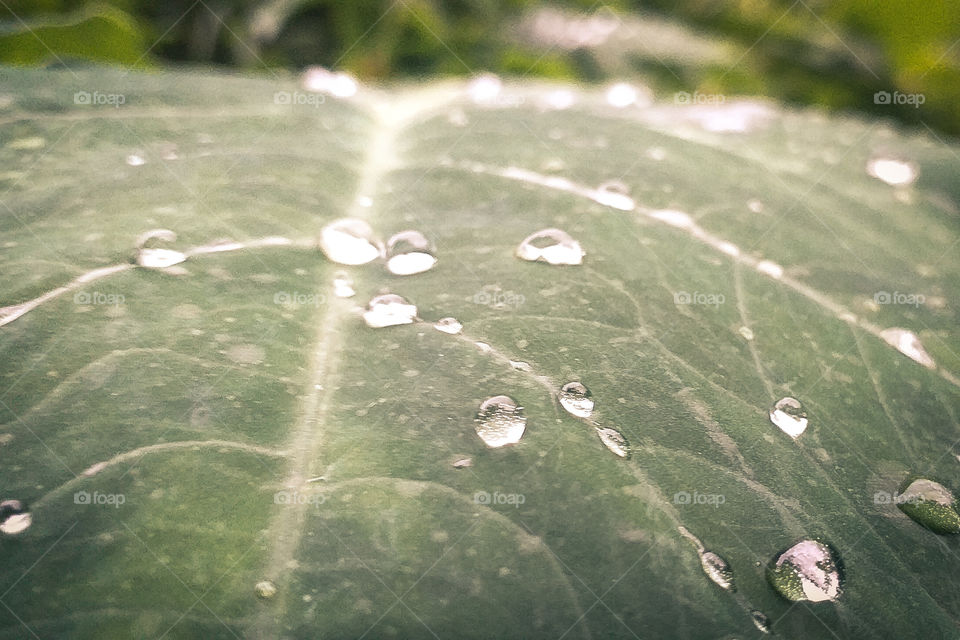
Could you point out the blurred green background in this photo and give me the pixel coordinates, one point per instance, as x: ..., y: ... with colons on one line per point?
x: 837, y: 54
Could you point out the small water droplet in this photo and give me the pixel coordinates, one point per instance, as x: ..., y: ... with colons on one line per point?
x: 788, y: 414
x: 552, y: 246
x: 484, y: 88
x: 462, y: 463
x: 771, y: 269
x: 136, y: 160
x: 679, y: 219
x: 335, y: 83
x: 614, y: 441
x: 388, y: 310
x: 266, y: 589
x: 521, y: 366
x: 500, y: 421
x: 717, y: 569
x: 350, y: 241
x: 622, y: 95
x: 932, y: 505
x: 409, y: 252
x: 616, y: 194
x: 484, y: 347
x: 893, y: 172
x: 760, y: 621
x: 746, y: 332
x: 559, y: 99
x: 14, y: 517
x: 343, y: 285
x: 155, y: 257
x: 907, y: 343
x: 448, y: 325
x: 806, y: 571
x: 755, y: 206
x: 576, y: 399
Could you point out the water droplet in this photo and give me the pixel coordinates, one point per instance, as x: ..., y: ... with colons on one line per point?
x: 335, y: 83
x: 576, y: 399
x: 155, y: 257
x: 614, y: 441
x: 136, y: 160
x: 266, y: 589
x: 500, y: 421
x: 559, y: 100
x: 388, y: 310
x: 893, y: 172
x: 806, y: 571
x: 552, y: 246
x: 771, y: 269
x: 678, y: 219
x: 717, y: 569
x: 788, y: 414
x: 622, y: 95
x: 14, y: 517
x: 484, y: 347
x: 343, y: 285
x: 907, y: 343
x: 616, y: 194
x: 755, y: 206
x: 932, y: 505
x: 746, y: 332
x: 462, y: 463
x: 484, y: 88
x: 760, y: 621
x: 350, y: 241
x: 448, y: 325
x: 409, y: 252
x: 521, y: 366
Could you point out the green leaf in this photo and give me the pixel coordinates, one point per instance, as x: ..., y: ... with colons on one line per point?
x: 182, y: 436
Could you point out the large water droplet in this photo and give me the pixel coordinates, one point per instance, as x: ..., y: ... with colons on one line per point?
x: 717, y: 569
x: 907, y: 343
x: 265, y: 589
x: 350, y: 241
x: 343, y: 285
x: 806, y: 571
x: 448, y: 325
x: 388, y: 310
x: 789, y: 415
x: 14, y: 517
x: 614, y: 441
x: 760, y: 621
x: 500, y: 421
x: 616, y: 194
x: 155, y: 257
x: 552, y: 246
x: 893, y: 172
x: 576, y: 399
x: 409, y: 252
x: 932, y: 505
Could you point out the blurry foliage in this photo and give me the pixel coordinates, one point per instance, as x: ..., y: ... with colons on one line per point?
x: 837, y: 54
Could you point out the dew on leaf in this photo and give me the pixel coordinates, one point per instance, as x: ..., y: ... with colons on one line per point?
x: 907, y: 343
x: 576, y: 399
x: 717, y: 569
x: 157, y: 257
x: 14, y: 517
x: 500, y: 421
x: 806, y: 571
x: 409, y: 252
x: 616, y: 194
x: 760, y: 621
x: 678, y: 219
x: 622, y: 95
x: 265, y: 589
x: 448, y: 325
x: 334, y: 83
x: 350, y: 241
x: 462, y: 463
x: 136, y: 160
x: 931, y: 505
x: 614, y: 441
x: 788, y: 414
x: 388, y: 310
x: 519, y: 365
x: 771, y: 269
x: 343, y: 285
x: 552, y: 246
x: 484, y: 88
x: 746, y: 332
x: 894, y: 172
